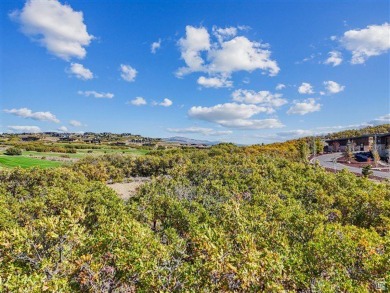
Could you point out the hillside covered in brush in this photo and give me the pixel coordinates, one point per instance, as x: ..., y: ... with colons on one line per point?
x: 224, y: 219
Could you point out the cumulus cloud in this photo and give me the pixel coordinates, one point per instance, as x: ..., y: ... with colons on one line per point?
x: 364, y: 43
x: 214, y: 82
x: 57, y: 27
x: 228, y: 111
x: 166, y: 103
x: 138, y: 101
x: 27, y: 113
x: 196, y: 41
x: 252, y: 124
x: 28, y: 129
x: 200, y: 130
x: 234, y: 115
x: 265, y: 98
x: 280, y: 136
x: 75, y: 123
x: 155, y: 46
x: 98, y: 95
x: 280, y: 86
x: 333, y: 87
x: 224, y: 33
x: 385, y: 119
x: 334, y: 58
x: 242, y: 54
x: 62, y: 129
x: 228, y: 54
x: 305, y: 88
x: 128, y: 73
x: 304, y: 107
x: 295, y: 133
x: 80, y: 71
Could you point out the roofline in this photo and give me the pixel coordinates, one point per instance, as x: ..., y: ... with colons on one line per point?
x: 361, y: 136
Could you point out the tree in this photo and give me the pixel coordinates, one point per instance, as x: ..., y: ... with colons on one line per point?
x: 375, y: 155
x: 319, y: 145
x: 303, y: 151
x: 366, y: 171
x: 335, y: 146
x: 348, y: 154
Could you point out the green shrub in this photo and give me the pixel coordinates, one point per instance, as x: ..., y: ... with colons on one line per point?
x: 366, y: 171
x: 13, y: 151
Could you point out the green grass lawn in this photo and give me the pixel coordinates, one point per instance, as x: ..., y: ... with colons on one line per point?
x: 84, y: 152
x: 26, y: 162
x: 31, y: 158
x: 51, y: 154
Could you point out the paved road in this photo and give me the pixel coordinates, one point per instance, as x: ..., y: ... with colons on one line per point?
x: 329, y: 161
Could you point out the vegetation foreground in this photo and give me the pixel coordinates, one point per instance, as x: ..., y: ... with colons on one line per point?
x: 224, y: 219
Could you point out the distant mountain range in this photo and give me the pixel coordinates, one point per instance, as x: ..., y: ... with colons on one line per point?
x: 185, y: 140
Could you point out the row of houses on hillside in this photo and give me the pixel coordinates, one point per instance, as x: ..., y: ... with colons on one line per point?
x: 363, y: 143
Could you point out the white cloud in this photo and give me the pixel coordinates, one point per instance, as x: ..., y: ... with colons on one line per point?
x: 281, y: 136
x: 80, y: 71
x: 27, y: 113
x: 295, y: 133
x: 265, y: 98
x: 333, y: 87
x: 224, y: 33
x: 200, y: 130
x: 28, y: 129
x: 75, y: 123
x: 234, y: 115
x: 241, y: 54
x: 334, y: 58
x: 166, y: 103
x: 304, y: 107
x: 307, y: 59
x: 97, y: 95
x: 364, y: 43
x: 280, y: 86
x: 305, y: 88
x: 155, y: 46
x: 228, y: 111
x: 215, y: 82
x: 385, y: 119
x: 62, y: 129
x: 128, y: 73
x: 196, y: 41
x: 229, y: 54
x: 57, y: 27
x: 330, y: 129
x: 138, y: 101
x: 251, y: 124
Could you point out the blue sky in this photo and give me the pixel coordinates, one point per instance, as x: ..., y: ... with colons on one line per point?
x: 239, y: 71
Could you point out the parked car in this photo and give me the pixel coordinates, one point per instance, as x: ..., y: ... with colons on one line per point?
x: 361, y: 157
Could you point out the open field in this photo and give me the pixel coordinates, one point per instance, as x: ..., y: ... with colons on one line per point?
x: 84, y: 152
x: 33, y: 158
x: 26, y: 162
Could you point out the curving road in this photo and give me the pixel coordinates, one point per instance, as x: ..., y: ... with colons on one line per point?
x: 329, y: 161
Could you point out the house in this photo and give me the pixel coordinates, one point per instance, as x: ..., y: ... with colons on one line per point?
x: 383, y: 145
x: 363, y: 143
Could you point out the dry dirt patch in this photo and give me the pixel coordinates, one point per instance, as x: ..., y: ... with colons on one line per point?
x: 127, y: 189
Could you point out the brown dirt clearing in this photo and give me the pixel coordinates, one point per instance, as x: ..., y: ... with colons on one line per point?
x: 127, y: 189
